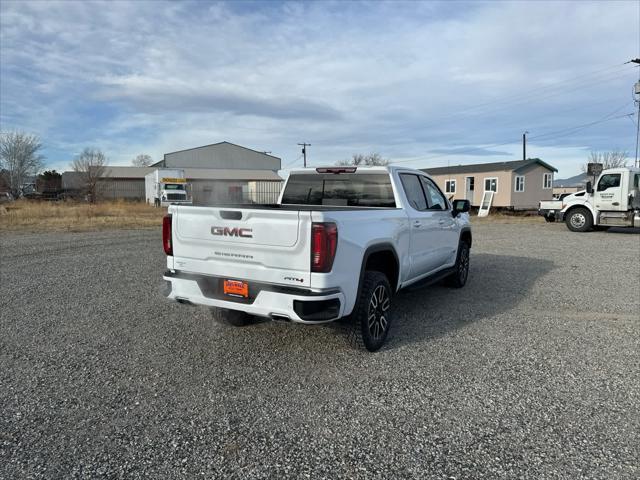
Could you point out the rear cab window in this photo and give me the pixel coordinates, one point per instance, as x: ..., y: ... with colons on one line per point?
x: 342, y: 189
x: 414, y: 191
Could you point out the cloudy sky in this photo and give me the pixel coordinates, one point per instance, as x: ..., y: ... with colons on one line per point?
x: 425, y: 84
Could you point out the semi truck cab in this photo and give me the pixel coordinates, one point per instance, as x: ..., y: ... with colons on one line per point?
x: 614, y: 201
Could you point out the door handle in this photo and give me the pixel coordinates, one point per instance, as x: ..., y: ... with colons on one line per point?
x: 615, y: 204
x: 417, y: 223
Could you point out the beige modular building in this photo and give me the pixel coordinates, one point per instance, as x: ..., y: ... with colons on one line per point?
x: 518, y: 185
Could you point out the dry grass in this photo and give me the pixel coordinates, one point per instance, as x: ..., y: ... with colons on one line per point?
x: 31, y: 216
x: 506, y: 218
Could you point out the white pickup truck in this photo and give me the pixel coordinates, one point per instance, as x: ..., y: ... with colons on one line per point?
x: 340, y: 243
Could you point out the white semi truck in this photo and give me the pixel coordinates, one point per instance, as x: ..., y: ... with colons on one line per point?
x: 166, y: 186
x: 614, y: 202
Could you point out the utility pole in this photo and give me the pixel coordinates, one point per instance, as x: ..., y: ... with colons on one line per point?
x: 524, y: 145
x: 304, y: 152
x: 637, y: 100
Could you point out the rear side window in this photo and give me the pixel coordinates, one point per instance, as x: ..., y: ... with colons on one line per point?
x: 413, y: 189
x: 341, y: 189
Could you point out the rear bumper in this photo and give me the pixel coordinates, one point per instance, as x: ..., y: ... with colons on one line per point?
x: 265, y: 300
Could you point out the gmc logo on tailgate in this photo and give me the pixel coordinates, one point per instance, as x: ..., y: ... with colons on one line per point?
x: 232, y: 232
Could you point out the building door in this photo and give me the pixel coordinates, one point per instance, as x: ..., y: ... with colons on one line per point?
x: 469, y: 188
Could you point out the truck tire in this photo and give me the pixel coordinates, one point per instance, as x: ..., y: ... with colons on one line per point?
x: 579, y: 220
x: 231, y: 317
x: 458, y: 279
x: 371, y: 316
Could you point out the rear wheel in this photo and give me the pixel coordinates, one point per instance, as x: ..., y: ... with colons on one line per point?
x: 579, y: 220
x: 371, y: 316
x: 231, y: 317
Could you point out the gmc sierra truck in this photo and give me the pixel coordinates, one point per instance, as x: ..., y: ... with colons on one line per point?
x: 340, y: 242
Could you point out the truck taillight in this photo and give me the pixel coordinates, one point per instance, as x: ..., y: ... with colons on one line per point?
x: 324, y: 241
x: 166, y: 235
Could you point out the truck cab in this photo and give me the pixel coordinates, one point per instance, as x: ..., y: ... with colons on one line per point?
x: 164, y: 187
x: 614, y: 201
x: 171, y: 193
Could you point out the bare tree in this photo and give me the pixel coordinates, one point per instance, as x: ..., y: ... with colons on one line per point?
x: 370, y: 160
x: 20, y: 158
x: 91, y: 165
x: 613, y: 159
x: 142, y: 160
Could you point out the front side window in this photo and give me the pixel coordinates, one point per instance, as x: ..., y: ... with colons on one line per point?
x: 519, y: 183
x: 413, y: 190
x: 547, y: 181
x: 450, y: 186
x: 610, y: 180
x: 491, y: 184
x: 435, y: 199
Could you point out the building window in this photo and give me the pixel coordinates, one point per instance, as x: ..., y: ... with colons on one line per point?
x: 491, y: 184
x: 450, y: 186
x: 547, y: 181
x: 519, y: 183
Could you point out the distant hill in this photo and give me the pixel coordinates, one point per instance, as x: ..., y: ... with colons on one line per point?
x: 579, y: 179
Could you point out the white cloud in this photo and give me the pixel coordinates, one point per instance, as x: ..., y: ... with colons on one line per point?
x: 409, y: 80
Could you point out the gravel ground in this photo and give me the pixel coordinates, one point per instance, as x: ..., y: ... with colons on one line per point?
x: 531, y: 371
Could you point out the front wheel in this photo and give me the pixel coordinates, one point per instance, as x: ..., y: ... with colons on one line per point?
x: 458, y: 278
x: 371, y: 316
x: 579, y: 220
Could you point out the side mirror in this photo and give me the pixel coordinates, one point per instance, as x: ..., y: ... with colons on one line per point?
x: 589, y: 188
x: 460, y: 206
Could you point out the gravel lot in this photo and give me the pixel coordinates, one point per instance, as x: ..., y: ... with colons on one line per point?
x: 531, y: 371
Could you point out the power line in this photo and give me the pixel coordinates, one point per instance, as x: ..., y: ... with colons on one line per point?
x: 584, y: 125
x: 576, y: 129
x: 291, y: 163
x: 506, y: 102
x: 607, y: 118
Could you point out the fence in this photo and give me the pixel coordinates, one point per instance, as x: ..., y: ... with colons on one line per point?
x: 203, y: 192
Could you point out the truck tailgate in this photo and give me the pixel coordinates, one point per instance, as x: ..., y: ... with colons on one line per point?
x: 261, y: 245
